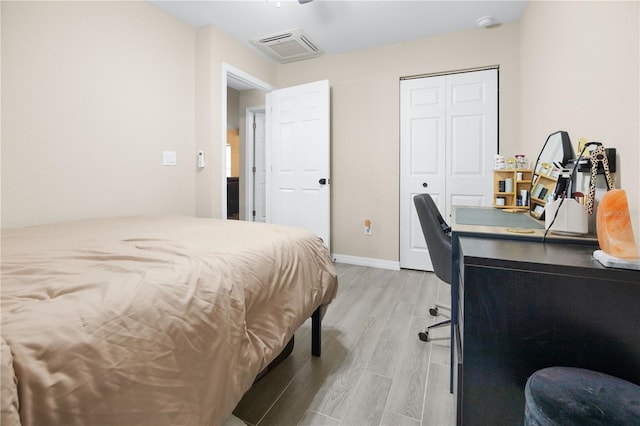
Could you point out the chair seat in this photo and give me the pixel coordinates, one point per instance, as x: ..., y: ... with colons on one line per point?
x: 574, y: 396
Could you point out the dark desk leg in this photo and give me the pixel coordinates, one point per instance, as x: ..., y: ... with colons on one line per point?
x: 455, y: 255
x: 316, y: 331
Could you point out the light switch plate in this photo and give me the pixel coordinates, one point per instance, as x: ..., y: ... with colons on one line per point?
x: 169, y: 158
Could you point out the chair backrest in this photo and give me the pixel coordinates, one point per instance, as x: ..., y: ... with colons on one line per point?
x: 436, y: 234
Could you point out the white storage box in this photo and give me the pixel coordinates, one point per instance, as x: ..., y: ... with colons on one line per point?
x: 572, y: 218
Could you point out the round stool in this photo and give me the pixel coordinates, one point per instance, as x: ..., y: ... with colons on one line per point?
x: 574, y: 396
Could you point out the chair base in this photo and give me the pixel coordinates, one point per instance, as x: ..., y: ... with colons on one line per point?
x: 424, y: 335
x: 435, y: 311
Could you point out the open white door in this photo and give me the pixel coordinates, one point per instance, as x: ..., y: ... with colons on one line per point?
x: 298, y: 158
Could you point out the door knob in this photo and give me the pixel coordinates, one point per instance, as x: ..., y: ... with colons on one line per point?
x: 425, y: 184
x: 322, y: 181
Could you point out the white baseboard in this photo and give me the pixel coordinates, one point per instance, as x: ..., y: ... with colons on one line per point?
x: 366, y: 261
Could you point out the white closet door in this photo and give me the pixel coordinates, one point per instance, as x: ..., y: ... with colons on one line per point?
x: 422, y: 161
x: 448, y: 137
x: 471, y: 138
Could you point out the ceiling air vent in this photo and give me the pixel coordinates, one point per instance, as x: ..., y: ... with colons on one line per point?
x: 288, y: 46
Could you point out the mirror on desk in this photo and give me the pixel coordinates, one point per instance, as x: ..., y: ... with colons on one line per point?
x: 555, y: 154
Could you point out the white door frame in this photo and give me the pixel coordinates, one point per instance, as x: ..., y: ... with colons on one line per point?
x: 238, y: 74
x: 249, y: 160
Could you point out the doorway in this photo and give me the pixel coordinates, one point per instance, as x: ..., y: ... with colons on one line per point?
x: 242, y: 94
x: 448, y: 139
x: 297, y: 151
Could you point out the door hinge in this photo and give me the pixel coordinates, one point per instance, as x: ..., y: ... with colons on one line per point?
x: 253, y: 213
x: 254, y: 125
x: 253, y: 169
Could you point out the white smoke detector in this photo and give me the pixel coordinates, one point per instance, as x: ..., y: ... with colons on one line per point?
x: 488, y: 22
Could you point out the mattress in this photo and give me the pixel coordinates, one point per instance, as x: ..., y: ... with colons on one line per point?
x: 149, y: 320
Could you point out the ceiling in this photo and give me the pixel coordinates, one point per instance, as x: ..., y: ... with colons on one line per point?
x: 337, y: 26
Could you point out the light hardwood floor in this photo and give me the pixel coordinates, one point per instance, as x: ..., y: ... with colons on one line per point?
x: 373, y: 370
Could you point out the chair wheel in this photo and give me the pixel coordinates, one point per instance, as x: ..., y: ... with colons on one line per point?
x: 433, y: 311
x: 424, y: 336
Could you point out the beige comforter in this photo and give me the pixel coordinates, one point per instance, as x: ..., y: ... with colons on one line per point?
x: 149, y: 320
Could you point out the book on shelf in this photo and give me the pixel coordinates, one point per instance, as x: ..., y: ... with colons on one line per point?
x: 537, y: 190
x: 543, y: 193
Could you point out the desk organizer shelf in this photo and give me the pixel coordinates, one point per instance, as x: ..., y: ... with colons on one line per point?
x: 518, y: 185
x: 543, y: 185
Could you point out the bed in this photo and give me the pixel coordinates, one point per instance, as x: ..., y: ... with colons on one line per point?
x: 150, y: 320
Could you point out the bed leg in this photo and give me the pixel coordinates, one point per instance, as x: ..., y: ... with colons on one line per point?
x: 316, y: 332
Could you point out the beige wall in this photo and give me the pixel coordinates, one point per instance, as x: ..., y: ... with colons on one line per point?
x: 93, y: 92
x: 233, y: 140
x: 233, y: 129
x: 365, y: 123
x: 233, y: 108
x: 580, y: 73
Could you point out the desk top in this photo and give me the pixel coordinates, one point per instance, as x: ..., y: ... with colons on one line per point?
x: 496, y: 223
x: 564, y: 259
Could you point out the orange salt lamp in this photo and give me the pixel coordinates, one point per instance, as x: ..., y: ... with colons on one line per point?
x: 613, y: 222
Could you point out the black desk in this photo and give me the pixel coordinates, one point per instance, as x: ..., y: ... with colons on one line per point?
x: 521, y: 305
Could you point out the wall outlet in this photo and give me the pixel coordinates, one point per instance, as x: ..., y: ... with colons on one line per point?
x: 367, y: 227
